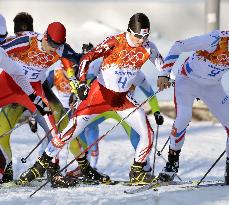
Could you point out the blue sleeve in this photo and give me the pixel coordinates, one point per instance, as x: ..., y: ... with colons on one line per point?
x: 70, y: 54
x: 50, y: 79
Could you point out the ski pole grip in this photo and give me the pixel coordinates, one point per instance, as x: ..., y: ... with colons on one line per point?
x: 23, y: 160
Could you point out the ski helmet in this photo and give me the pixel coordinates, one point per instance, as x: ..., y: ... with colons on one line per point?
x: 56, y: 34
x: 3, y: 29
x: 139, y: 25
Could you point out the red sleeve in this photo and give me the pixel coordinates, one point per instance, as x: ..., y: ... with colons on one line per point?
x: 99, y: 51
x: 66, y: 63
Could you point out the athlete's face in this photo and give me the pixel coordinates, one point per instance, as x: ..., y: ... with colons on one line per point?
x: 46, y: 47
x: 137, y: 41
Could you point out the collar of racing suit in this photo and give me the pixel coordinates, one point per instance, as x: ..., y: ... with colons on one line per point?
x: 128, y: 40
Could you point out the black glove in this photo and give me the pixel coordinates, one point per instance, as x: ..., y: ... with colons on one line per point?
x: 33, y: 125
x: 87, y: 47
x: 82, y: 91
x: 40, y: 105
x: 158, y: 118
x: 73, y: 99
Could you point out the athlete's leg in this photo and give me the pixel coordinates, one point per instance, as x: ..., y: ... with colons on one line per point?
x: 9, y: 117
x: 186, y: 90
x: 92, y: 134
x: 217, y: 101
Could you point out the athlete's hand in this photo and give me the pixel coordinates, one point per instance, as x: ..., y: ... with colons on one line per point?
x: 163, y: 82
x: 82, y: 90
x: 40, y: 104
x: 158, y: 118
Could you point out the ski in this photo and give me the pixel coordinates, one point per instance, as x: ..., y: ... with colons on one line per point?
x: 184, y: 185
x: 154, y: 185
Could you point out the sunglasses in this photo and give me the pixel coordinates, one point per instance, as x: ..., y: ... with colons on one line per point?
x: 138, y: 35
x: 52, y: 43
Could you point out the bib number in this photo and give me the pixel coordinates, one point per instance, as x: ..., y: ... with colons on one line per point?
x: 122, y: 81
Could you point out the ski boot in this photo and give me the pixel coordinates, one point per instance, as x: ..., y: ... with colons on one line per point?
x: 138, y: 176
x: 8, y: 174
x: 75, y: 173
x: 57, y: 179
x: 226, y: 175
x: 91, y: 173
x: 171, y: 168
x: 37, y: 170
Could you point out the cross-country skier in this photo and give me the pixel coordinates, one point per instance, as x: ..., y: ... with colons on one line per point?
x: 91, y: 132
x: 123, y: 56
x: 199, y: 77
x: 10, y: 114
x: 37, y: 53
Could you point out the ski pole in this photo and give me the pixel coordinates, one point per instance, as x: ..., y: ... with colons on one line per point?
x: 14, y: 128
x: 23, y: 160
x: 155, y: 148
x: 96, y: 141
x: 159, y: 152
x: 211, y: 167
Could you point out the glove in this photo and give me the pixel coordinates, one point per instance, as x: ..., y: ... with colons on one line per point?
x: 158, y: 118
x: 74, y: 85
x: 33, y: 125
x: 82, y: 91
x: 87, y: 47
x: 73, y: 99
x: 40, y: 105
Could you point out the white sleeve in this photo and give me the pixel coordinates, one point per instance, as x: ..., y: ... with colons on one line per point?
x: 203, y: 42
x: 13, y: 69
x: 155, y: 56
x: 141, y: 81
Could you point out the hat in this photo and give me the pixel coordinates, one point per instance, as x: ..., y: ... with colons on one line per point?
x: 3, y: 29
x: 57, y: 32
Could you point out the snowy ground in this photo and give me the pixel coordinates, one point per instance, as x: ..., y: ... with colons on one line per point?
x: 204, y: 143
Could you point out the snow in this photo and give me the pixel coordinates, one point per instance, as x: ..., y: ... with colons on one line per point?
x: 205, y: 142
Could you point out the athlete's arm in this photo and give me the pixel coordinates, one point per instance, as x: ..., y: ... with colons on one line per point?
x: 147, y: 89
x: 99, y: 51
x: 14, y: 70
x: 17, y: 45
x: 203, y: 42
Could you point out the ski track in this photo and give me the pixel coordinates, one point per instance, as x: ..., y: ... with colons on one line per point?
x: 204, y: 143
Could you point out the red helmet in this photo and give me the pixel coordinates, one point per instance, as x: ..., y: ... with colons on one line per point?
x: 56, y: 32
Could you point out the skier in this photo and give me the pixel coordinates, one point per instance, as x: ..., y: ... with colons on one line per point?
x: 37, y: 53
x: 91, y: 132
x: 10, y: 114
x: 10, y: 68
x: 199, y: 77
x: 123, y: 56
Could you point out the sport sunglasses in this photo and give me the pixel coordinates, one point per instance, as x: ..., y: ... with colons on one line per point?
x: 140, y: 36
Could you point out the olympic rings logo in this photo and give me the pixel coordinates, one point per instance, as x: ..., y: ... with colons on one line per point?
x: 223, y: 58
x: 131, y: 57
x: 39, y: 57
